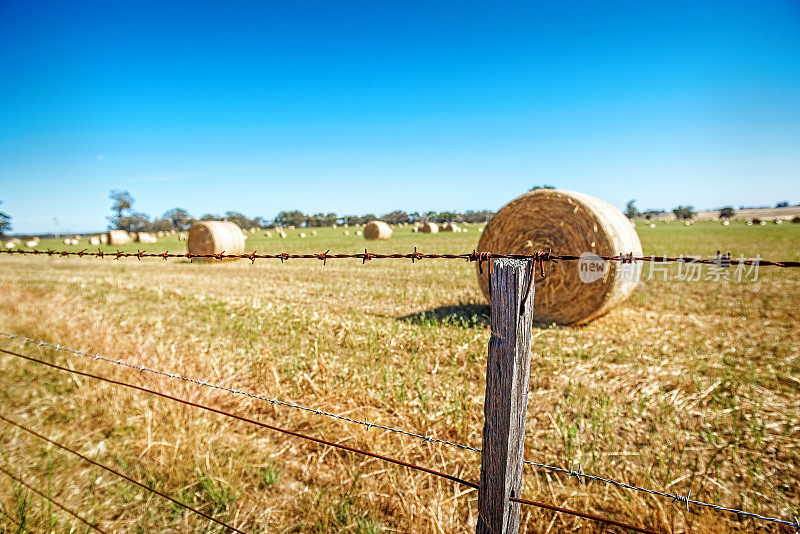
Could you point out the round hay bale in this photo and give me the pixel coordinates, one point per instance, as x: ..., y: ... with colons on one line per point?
x: 573, y: 292
x: 377, y: 230
x: 145, y: 237
x: 94, y: 241
x: 118, y: 237
x: 32, y: 243
x: 450, y: 227
x: 346, y: 232
x: 429, y: 228
x: 215, y: 237
x: 104, y: 239
x: 358, y: 232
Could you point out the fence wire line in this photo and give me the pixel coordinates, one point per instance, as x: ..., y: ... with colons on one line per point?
x: 48, y: 498
x: 575, y: 472
x: 114, y: 471
x: 724, y: 260
x: 452, y: 478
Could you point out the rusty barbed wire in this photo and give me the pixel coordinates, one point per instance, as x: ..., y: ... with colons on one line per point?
x: 50, y: 499
x: 340, y: 446
x: 540, y: 257
x: 576, y: 473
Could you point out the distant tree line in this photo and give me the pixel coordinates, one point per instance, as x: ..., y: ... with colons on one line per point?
x: 124, y: 217
x: 5, y: 223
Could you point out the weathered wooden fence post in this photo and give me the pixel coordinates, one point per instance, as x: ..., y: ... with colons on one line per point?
x: 507, y: 373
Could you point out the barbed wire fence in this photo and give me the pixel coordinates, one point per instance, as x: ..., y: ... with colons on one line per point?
x: 539, y: 258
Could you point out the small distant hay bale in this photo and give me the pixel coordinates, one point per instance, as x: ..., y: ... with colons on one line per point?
x: 726, y: 223
x: 160, y: 234
x: 33, y: 243
x: 183, y: 236
x: 450, y: 227
x: 267, y: 234
x: 67, y: 241
x: 778, y: 221
x: 377, y: 230
x: 103, y: 239
x: 480, y: 229
x: 145, y: 237
x: 94, y: 241
x: 749, y: 223
x: 415, y: 230
x: 313, y: 232
x: 358, y: 233
x: 334, y: 227
x: 10, y: 244
x: 282, y: 234
x: 687, y: 223
x: 77, y: 236
x: 252, y: 230
x: 215, y: 237
x: 652, y: 225
x: 346, y: 232
x: 429, y: 228
x: 302, y: 235
x: 290, y: 227
x: 567, y: 222
x: 118, y: 237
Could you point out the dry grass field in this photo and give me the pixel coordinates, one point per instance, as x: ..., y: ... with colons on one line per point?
x: 690, y: 385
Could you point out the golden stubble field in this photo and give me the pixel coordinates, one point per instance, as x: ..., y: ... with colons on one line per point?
x: 688, y: 385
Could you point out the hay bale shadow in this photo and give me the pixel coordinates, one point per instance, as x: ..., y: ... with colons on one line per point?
x: 463, y: 316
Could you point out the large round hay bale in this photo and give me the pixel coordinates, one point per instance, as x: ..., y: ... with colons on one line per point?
x: 570, y: 223
x: 215, y: 237
x: 377, y: 230
x: 118, y: 237
x: 429, y: 228
x: 450, y: 227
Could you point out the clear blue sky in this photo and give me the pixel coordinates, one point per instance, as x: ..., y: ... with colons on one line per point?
x: 374, y: 106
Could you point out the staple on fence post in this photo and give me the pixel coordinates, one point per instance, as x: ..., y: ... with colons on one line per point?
x: 506, y: 401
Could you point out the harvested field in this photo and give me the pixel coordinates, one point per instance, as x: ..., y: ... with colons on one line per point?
x: 687, y: 385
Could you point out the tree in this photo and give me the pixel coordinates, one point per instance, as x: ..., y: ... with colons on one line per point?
x: 683, y: 212
x: 210, y: 217
x: 543, y: 186
x: 395, y: 217
x: 135, y: 222
x: 5, y: 223
x: 782, y: 204
x: 630, y: 209
x: 122, y: 206
x: 179, y: 218
x: 161, y: 225
x: 727, y: 212
x: 290, y: 218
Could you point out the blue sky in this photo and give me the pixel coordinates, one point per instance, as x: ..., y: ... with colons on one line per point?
x: 371, y: 106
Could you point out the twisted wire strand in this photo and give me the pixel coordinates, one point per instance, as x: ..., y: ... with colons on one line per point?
x: 48, y: 498
x: 440, y: 474
x: 577, y: 473
x: 115, y: 472
x: 474, y: 256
